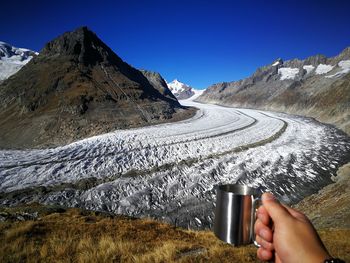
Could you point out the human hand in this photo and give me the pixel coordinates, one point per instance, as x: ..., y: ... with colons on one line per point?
x: 286, y: 234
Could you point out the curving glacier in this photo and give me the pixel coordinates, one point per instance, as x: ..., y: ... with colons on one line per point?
x: 169, y: 171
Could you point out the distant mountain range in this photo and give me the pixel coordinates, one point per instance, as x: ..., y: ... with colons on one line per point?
x: 78, y: 87
x: 316, y: 86
x: 181, y: 90
x: 13, y: 59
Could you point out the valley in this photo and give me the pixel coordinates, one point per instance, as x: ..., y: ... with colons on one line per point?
x: 169, y: 171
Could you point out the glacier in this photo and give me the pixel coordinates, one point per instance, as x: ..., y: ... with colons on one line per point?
x: 170, y: 171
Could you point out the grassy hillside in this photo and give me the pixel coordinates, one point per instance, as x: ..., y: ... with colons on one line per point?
x: 73, y: 235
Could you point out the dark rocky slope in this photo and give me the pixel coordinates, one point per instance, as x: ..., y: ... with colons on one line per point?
x: 78, y: 87
x: 317, y: 87
x: 158, y: 82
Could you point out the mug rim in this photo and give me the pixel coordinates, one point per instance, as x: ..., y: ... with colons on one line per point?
x: 237, y: 189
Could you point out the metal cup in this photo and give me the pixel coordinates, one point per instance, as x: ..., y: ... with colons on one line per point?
x: 235, y: 214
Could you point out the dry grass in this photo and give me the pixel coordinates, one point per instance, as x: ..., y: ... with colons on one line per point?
x: 80, y: 236
x: 337, y: 242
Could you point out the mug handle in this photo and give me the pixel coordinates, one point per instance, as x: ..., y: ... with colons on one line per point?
x: 255, y: 203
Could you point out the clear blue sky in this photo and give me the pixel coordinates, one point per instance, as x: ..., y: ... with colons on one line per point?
x: 198, y: 42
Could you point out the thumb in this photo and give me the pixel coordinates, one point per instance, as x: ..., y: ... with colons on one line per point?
x: 275, y: 210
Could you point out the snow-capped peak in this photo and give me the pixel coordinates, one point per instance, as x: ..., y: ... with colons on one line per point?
x: 12, y: 59
x: 180, y: 90
x: 7, y: 52
x: 176, y: 86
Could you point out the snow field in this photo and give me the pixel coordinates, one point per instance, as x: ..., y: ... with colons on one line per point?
x: 323, y: 69
x: 345, y: 68
x: 288, y: 73
x: 308, y: 68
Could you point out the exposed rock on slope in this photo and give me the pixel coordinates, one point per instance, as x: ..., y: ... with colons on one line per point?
x: 13, y: 59
x: 159, y: 83
x: 317, y: 87
x: 77, y: 87
x: 181, y: 90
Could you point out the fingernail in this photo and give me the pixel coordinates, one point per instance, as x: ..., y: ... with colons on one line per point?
x: 268, y: 197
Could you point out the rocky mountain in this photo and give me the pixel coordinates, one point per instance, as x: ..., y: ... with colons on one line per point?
x: 78, y: 87
x: 158, y: 82
x: 180, y: 90
x: 316, y: 86
x: 13, y: 59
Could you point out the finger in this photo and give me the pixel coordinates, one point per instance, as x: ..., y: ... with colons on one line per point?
x: 264, y: 244
x: 263, y: 215
x: 295, y: 213
x: 276, y: 211
x: 264, y: 254
x: 263, y: 231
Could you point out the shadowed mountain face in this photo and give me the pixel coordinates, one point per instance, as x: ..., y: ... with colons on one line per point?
x: 159, y: 83
x: 78, y: 87
x: 317, y: 87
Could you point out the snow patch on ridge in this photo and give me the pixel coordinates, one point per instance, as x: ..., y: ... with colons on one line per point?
x: 323, y: 69
x: 345, y: 65
x: 288, y: 73
x: 308, y: 68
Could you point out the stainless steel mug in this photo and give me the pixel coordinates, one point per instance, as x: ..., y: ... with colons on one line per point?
x: 235, y: 214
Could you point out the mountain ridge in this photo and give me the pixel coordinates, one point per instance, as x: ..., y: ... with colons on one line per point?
x: 315, y: 87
